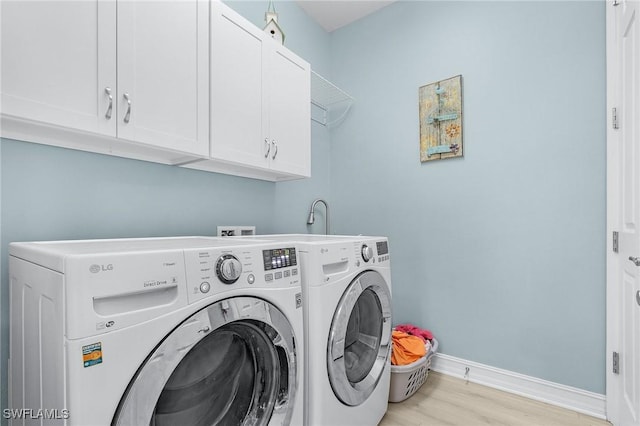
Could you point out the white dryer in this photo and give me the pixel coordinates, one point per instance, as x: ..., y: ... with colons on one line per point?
x: 346, y: 284
x: 161, y: 331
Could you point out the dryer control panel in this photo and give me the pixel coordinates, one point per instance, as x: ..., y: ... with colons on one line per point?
x: 371, y: 252
x: 383, y: 250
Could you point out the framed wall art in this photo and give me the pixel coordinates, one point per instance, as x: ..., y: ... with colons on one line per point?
x: 440, y: 110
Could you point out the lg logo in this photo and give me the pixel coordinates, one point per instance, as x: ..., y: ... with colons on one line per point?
x: 94, y: 269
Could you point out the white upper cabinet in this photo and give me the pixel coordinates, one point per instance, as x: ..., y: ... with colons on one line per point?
x: 186, y: 82
x: 237, y: 89
x: 135, y: 71
x: 58, y: 58
x: 163, y: 74
x: 260, y: 103
x: 289, y: 124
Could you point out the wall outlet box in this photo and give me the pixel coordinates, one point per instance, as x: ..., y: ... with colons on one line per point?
x: 236, y: 231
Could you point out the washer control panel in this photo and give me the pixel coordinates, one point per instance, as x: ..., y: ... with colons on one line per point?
x: 211, y: 272
x: 280, y: 263
x: 279, y: 258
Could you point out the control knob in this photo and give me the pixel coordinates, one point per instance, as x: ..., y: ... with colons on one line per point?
x: 367, y: 253
x: 228, y: 268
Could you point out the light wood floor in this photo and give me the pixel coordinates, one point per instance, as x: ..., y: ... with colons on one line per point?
x: 445, y: 400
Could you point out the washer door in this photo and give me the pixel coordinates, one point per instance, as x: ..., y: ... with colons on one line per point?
x: 360, y: 338
x: 231, y: 363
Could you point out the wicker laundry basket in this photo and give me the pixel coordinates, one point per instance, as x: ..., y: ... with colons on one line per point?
x: 407, y: 379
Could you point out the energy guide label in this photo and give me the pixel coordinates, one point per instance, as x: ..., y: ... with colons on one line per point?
x: 92, y: 354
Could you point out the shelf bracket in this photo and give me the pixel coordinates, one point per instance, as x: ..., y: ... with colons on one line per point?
x: 328, y: 98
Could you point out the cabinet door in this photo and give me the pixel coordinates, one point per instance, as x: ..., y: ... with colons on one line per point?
x: 58, y: 57
x: 237, y: 92
x: 163, y: 74
x: 288, y: 79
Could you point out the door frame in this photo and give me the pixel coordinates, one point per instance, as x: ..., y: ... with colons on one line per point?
x: 613, y: 220
x: 614, y: 197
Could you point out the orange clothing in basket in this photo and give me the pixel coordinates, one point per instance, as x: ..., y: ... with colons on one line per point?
x: 406, y: 348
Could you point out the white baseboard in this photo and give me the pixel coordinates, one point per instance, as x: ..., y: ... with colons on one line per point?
x: 591, y: 403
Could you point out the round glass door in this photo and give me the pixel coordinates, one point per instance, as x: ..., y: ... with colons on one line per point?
x: 233, y: 362
x: 360, y: 338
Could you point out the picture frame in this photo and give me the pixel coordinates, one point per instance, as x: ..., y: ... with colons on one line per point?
x: 441, y: 125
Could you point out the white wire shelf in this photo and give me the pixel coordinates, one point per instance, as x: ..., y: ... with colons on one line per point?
x: 330, y: 99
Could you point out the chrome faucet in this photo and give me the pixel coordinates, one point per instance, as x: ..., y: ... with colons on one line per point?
x: 312, y: 218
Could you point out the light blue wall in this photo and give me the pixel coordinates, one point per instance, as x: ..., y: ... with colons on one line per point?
x: 49, y: 193
x: 501, y: 253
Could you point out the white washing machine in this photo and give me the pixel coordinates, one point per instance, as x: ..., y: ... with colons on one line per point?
x: 161, y: 331
x: 346, y: 284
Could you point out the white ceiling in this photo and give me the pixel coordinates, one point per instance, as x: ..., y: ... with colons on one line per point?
x: 333, y: 14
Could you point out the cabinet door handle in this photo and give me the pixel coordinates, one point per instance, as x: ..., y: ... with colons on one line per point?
x: 127, y: 116
x: 266, y: 141
x: 107, y: 90
x: 275, y: 149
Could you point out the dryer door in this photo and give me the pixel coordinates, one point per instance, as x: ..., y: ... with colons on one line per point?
x: 231, y: 363
x: 360, y: 338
